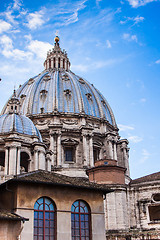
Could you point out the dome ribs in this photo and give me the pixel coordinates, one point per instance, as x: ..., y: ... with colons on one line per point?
x: 63, y: 92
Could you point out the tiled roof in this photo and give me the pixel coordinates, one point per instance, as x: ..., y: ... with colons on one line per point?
x: 52, y: 178
x: 148, y: 178
x: 4, y: 214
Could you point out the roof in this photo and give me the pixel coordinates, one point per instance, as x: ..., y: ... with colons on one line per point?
x: 6, y: 215
x: 45, y: 177
x: 18, y: 123
x: 62, y: 92
x: 147, y: 178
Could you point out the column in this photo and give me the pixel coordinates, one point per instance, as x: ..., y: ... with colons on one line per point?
x: 42, y: 162
x: 52, y: 147
x: 61, y: 63
x: 48, y: 164
x: 47, y: 64
x: 115, y: 151
x: 52, y: 63
x: 36, y: 160
x: 125, y: 156
x: 91, y: 151
x: 59, y: 160
x: 65, y: 64
x: 18, y: 160
x: 12, y: 160
x: 85, y: 157
x: 110, y: 149
x: 56, y: 62
x: 6, y: 160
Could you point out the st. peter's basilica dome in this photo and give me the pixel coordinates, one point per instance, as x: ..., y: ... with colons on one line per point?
x: 58, y: 89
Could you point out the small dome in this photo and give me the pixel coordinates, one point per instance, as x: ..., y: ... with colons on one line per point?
x: 18, y: 123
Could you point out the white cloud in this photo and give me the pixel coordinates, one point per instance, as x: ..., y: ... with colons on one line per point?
x: 158, y: 61
x: 67, y: 15
x: 138, y: 3
x: 6, y: 42
x: 96, y: 64
x: 71, y: 19
x: 14, y: 11
x: 8, y: 50
x: 39, y: 48
x: 125, y: 127
x: 4, y: 26
x: 128, y: 37
x: 135, y: 20
x: 145, y: 155
x: 135, y: 139
x: 35, y: 20
x: 108, y: 44
x: 16, y: 4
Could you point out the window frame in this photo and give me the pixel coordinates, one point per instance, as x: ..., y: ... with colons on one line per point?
x: 73, y: 154
x: 37, y: 236
x: 73, y: 222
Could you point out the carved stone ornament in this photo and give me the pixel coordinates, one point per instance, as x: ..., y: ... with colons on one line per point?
x: 46, y: 78
x: 43, y: 122
x: 70, y: 142
x: 69, y: 122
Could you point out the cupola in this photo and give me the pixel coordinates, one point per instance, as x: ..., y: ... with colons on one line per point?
x: 56, y: 58
x: 13, y: 104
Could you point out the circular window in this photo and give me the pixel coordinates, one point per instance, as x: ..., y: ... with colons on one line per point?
x: 156, y: 197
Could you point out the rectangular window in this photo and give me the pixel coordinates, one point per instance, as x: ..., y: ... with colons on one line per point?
x: 68, y: 154
x: 154, y: 213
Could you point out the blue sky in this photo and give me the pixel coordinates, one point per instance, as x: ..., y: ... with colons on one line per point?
x: 113, y: 44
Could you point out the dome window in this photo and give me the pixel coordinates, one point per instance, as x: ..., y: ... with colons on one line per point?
x: 103, y: 102
x: 31, y: 80
x: 81, y: 81
x: 67, y: 92
x: 65, y: 77
x: 42, y: 110
x: 2, y: 161
x: 156, y: 197
x: 46, y: 78
x: 89, y: 96
x: 24, y: 162
x: 59, y: 62
x: 43, y: 93
x: 22, y: 96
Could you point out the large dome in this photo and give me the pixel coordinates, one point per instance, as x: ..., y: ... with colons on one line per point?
x: 57, y: 89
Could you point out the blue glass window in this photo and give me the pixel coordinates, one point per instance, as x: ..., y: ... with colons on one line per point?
x: 80, y: 221
x: 44, y: 219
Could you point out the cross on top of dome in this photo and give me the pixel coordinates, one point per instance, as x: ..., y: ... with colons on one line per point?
x: 56, y: 58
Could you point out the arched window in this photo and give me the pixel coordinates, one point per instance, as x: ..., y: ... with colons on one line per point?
x: 2, y: 161
x: 49, y: 63
x: 81, y: 221
x: 24, y: 161
x: 44, y: 219
x: 59, y: 62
